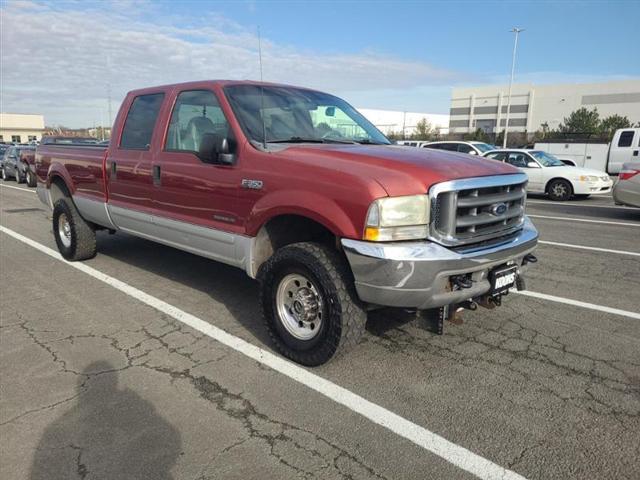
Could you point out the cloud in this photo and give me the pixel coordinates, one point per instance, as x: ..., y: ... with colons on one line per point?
x: 60, y: 60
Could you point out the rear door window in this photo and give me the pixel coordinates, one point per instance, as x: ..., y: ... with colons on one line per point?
x: 626, y: 138
x: 141, y: 121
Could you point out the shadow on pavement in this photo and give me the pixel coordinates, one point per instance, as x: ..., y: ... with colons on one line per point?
x: 109, y: 433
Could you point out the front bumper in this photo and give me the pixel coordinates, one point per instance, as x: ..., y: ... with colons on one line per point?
x: 417, y: 274
x: 592, y: 188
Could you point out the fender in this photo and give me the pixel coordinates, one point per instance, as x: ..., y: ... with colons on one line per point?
x: 58, y: 170
x: 314, y: 206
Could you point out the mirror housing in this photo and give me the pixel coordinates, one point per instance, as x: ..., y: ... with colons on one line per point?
x: 215, y: 149
x: 473, y: 152
x: 532, y: 164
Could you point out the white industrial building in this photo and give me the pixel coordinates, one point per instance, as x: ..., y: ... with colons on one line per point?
x: 390, y: 121
x: 21, y: 128
x: 533, y: 105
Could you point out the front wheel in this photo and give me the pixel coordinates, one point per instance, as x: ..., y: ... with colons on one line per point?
x: 19, y: 178
x: 76, y: 239
x: 560, y: 190
x: 4, y: 175
x: 309, y: 303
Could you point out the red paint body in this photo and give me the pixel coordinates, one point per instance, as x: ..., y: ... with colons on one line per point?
x: 329, y: 183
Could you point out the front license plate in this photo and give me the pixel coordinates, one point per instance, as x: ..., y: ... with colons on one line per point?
x: 502, y: 279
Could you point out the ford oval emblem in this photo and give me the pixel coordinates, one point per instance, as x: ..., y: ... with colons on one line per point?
x: 498, y: 209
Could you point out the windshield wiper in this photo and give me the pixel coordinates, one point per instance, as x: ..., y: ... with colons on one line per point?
x: 366, y: 141
x: 309, y: 140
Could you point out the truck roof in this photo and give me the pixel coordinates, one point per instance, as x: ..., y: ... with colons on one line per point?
x: 209, y: 83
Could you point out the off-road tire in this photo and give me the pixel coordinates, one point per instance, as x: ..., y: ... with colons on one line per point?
x: 343, y: 318
x: 31, y: 179
x: 82, y: 234
x: 552, y: 189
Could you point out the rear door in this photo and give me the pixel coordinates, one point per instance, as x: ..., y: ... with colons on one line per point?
x: 129, y: 165
x: 624, y: 148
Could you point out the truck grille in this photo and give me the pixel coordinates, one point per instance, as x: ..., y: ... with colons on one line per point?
x: 477, y: 209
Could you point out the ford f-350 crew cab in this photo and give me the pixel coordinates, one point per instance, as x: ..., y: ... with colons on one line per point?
x: 302, y: 192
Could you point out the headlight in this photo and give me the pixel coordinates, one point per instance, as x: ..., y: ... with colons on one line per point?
x: 397, y: 218
x: 588, y: 178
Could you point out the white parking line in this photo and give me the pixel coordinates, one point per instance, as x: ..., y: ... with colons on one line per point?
x: 595, y: 249
x: 562, y: 204
x: 17, y: 188
x: 577, y: 303
x: 449, y: 451
x: 571, y: 219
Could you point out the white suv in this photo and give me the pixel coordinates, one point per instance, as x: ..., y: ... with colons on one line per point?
x: 472, y: 148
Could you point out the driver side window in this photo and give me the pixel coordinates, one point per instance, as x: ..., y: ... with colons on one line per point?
x: 195, y: 114
x: 517, y: 160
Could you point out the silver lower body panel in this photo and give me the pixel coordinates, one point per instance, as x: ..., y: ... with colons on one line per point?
x: 417, y: 274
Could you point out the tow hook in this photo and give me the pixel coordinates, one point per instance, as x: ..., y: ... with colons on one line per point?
x: 462, y: 281
x: 490, y: 301
x: 529, y: 258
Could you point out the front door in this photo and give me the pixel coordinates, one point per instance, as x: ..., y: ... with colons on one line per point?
x: 624, y: 148
x: 195, y: 199
x: 129, y: 166
x: 521, y: 160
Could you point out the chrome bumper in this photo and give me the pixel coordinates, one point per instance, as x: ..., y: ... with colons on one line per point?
x: 417, y: 274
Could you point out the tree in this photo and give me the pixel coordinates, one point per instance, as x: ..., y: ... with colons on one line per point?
x: 423, y: 130
x: 612, y: 123
x: 582, y: 120
x: 479, y: 136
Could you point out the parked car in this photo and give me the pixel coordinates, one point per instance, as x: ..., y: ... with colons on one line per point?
x: 626, y: 191
x: 28, y: 160
x: 299, y: 190
x: 14, y: 165
x: 472, y: 148
x: 547, y: 174
x: 411, y: 143
x: 608, y: 157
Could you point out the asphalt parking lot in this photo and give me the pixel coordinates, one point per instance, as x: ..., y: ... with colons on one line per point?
x: 99, y: 380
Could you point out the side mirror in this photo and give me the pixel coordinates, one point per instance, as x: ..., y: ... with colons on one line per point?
x: 532, y: 165
x: 472, y: 152
x: 215, y: 149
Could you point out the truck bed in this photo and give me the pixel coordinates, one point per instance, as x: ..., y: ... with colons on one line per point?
x: 84, y: 163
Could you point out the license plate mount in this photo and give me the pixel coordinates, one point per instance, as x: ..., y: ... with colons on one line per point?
x: 502, y: 279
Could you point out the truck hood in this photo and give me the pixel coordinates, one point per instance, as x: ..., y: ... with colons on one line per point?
x: 399, y: 170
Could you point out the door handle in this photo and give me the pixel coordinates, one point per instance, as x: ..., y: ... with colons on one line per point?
x: 113, y: 170
x: 156, y: 175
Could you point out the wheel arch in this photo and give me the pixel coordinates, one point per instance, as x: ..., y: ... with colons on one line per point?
x: 284, y: 229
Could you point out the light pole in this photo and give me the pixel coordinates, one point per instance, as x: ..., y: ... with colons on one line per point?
x: 517, y: 31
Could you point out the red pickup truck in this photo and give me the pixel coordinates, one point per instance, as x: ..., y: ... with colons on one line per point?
x: 302, y: 192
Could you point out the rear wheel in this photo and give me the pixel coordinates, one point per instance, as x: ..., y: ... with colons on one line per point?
x: 560, y: 190
x: 4, y: 175
x: 76, y: 239
x: 31, y: 179
x: 309, y: 303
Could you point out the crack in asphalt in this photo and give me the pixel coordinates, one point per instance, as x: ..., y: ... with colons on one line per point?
x: 307, y: 454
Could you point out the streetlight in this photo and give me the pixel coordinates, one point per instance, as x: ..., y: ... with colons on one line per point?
x: 517, y: 31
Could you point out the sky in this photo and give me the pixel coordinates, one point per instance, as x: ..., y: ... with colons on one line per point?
x: 62, y: 58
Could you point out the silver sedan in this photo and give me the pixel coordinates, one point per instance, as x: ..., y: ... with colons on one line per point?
x: 627, y: 189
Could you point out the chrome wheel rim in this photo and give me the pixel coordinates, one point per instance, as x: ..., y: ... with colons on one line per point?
x: 559, y: 189
x: 64, y: 230
x: 299, y: 306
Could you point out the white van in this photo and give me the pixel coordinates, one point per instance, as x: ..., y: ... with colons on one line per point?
x: 607, y: 157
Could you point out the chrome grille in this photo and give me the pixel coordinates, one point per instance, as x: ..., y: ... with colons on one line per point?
x: 477, y: 209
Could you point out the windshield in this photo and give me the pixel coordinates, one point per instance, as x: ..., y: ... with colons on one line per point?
x: 546, y: 159
x: 293, y: 115
x: 484, y: 147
